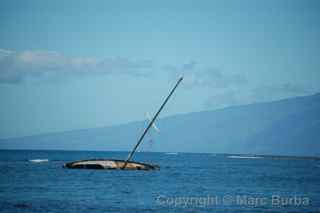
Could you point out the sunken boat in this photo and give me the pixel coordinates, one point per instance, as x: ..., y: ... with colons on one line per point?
x: 128, y: 164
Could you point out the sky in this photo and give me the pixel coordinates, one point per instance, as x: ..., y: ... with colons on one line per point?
x: 68, y: 65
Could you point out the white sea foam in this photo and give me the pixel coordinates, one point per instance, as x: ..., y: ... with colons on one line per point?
x: 171, y: 153
x: 244, y: 157
x: 38, y: 160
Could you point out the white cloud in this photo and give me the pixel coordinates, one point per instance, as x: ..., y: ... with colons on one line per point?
x: 197, y: 76
x: 18, y: 66
x: 223, y: 99
x: 274, y: 92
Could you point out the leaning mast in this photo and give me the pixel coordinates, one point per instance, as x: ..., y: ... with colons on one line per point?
x: 150, y: 124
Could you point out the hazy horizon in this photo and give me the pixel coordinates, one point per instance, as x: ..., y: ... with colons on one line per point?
x: 160, y: 117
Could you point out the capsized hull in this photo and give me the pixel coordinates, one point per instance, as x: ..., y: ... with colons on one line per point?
x: 109, y: 164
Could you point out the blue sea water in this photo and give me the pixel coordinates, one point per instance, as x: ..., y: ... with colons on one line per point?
x: 185, y: 183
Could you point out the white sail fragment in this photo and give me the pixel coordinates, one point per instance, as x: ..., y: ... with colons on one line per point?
x: 153, y: 124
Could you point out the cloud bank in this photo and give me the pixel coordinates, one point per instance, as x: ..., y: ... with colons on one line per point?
x: 274, y: 92
x: 197, y: 76
x: 16, y: 67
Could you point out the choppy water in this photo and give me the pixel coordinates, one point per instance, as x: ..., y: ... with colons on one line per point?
x: 34, y: 181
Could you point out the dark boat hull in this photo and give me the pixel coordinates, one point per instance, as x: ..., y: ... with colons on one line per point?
x: 109, y: 164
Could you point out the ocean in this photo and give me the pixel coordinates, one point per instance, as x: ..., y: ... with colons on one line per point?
x: 35, y: 181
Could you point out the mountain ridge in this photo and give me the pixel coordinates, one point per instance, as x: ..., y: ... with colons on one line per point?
x: 253, y: 129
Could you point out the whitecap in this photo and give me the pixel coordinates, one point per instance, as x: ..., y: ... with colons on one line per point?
x: 244, y: 157
x: 171, y: 153
x: 38, y: 160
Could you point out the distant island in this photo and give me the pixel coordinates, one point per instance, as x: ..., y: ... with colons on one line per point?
x: 288, y: 127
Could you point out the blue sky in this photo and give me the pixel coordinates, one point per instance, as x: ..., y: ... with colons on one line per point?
x: 82, y: 64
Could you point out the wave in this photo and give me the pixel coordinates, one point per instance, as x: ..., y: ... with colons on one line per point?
x: 38, y: 160
x: 171, y: 153
x: 244, y: 157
